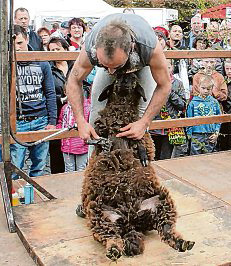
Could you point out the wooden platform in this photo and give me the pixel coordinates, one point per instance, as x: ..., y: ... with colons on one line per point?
x: 200, y: 186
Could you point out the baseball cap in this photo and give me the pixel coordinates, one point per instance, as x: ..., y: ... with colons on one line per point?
x: 64, y: 25
x: 162, y: 29
x: 160, y: 34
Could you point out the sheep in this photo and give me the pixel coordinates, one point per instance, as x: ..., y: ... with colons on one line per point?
x: 121, y: 195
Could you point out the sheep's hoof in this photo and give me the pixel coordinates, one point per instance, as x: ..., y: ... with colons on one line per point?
x: 142, y: 153
x: 183, y: 245
x: 79, y: 211
x: 113, y: 253
x: 133, y: 243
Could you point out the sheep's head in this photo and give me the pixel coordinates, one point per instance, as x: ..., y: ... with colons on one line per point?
x: 124, y: 85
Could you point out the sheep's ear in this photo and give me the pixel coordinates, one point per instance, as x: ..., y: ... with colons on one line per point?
x: 105, y: 93
x: 140, y: 90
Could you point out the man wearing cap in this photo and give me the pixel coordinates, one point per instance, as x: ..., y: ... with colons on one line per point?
x: 120, y: 43
x: 62, y: 31
x: 162, y: 39
x: 163, y: 30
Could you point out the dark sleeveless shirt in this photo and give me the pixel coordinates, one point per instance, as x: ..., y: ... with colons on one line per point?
x: 145, y: 38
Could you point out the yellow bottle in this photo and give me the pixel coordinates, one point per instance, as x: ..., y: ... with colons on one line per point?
x: 15, y: 199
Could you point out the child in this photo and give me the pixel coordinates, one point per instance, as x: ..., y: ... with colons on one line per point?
x: 203, y: 138
x: 75, y: 150
x: 219, y: 90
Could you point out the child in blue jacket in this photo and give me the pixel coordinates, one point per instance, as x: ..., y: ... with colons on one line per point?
x: 203, y: 138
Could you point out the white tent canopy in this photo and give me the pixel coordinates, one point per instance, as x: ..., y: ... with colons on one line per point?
x: 60, y: 10
x: 66, y: 8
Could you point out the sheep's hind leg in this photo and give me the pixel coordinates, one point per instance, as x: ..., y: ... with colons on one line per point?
x: 114, y: 248
x: 133, y: 243
x: 106, y: 230
x: 165, y: 223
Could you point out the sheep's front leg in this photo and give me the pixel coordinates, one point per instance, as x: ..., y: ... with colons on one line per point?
x: 170, y: 236
x: 79, y: 211
x: 165, y: 223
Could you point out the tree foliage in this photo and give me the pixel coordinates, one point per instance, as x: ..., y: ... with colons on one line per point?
x: 130, y: 3
x: 186, y: 8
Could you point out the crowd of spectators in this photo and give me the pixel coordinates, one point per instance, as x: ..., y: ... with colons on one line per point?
x: 206, y: 89
x: 200, y: 87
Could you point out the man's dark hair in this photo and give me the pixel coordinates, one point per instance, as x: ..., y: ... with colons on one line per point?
x: 20, y: 30
x: 22, y: 9
x: 115, y: 35
x: 55, y: 26
x: 77, y: 21
x: 58, y: 40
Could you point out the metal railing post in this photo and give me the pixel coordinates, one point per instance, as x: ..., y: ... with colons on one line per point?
x: 5, y: 180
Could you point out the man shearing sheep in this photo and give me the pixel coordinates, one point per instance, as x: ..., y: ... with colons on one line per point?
x: 120, y: 43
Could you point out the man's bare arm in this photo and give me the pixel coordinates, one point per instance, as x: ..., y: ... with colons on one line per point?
x: 158, y: 66
x: 80, y: 70
x: 160, y: 73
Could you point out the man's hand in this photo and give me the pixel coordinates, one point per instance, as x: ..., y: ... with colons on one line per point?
x: 86, y: 131
x: 50, y: 127
x: 133, y: 130
x: 213, y: 138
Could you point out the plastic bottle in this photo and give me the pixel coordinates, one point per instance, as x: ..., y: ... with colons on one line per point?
x: 21, y: 195
x: 15, y: 199
x: 28, y: 193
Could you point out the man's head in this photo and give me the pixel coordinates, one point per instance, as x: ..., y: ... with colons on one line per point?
x: 21, y: 38
x: 64, y: 28
x: 213, y: 30
x: 206, y: 84
x: 163, y: 30
x: 225, y: 30
x: 227, y: 66
x: 209, y: 65
x: 196, y: 25
x: 21, y: 17
x: 55, y: 26
x: 114, y: 43
x: 161, y: 38
x: 176, y: 33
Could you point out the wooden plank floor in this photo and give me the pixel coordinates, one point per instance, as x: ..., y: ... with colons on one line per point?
x: 200, y: 186
x: 207, y: 172
x: 12, y: 252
